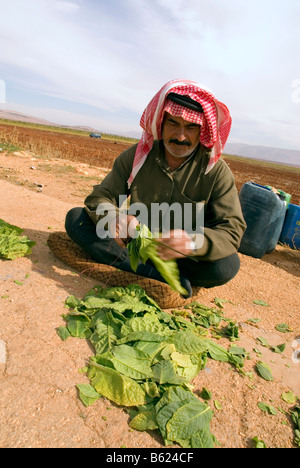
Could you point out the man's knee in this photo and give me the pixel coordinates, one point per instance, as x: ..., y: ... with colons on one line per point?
x: 211, y: 274
x: 73, y: 218
x: 228, y: 268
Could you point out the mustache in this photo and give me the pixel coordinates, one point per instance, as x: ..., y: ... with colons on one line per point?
x: 180, y: 143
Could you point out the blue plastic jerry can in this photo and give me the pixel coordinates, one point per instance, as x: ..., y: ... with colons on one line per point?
x: 264, y: 213
x: 290, y: 234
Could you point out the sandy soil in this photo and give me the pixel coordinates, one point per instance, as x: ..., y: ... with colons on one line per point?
x: 39, y: 406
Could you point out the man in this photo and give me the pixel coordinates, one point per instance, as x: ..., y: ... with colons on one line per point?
x: 177, y: 166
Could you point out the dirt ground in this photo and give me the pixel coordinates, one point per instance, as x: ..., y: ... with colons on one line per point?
x: 39, y: 405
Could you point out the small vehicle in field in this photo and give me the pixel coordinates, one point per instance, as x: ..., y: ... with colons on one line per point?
x: 95, y: 135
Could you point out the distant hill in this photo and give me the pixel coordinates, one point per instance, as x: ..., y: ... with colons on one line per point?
x: 19, y: 117
x: 264, y: 153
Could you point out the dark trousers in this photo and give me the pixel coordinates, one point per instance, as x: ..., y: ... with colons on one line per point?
x: 82, y: 231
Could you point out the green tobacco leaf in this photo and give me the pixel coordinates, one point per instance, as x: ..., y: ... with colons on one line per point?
x: 206, y: 394
x: 63, y: 333
x: 7, y: 229
x: 187, y: 420
x: 217, y: 404
x: 121, y: 389
x: 171, y: 400
x: 289, y: 397
x: 261, y: 340
x: 216, y: 351
x: 182, y: 360
x: 145, y: 421
x: 188, y: 343
x: 87, y: 394
x: 219, y: 302
x: 151, y: 389
x: 141, y: 336
x: 231, y: 331
x: 168, y: 270
x: 175, y: 393
x: 107, y: 331
x: 279, y: 348
x: 12, y: 247
x: 137, y: 291
x: 72, y: 302
x: 177, y: 399
x: 96, y: 303
x: 237, y: 355
x: 237, y: 351
x: 260, y: 302
x: 165, y: 413
x: 295, y: 416
x: 143, y: 248
x: 264, y: 371
x: 205, y: 316
x: 164, y: 372
x: 12, y: 244
x: 267, y: 408
x: 283, y: 328
x: 198, y: 362
x: 149, y: 322
x: 253, y: 320
x: 132, y: 303
x: 114, y: 293
x: 165, y: 352
x: 258, y: 443
x: 149, y: 348
x: 132, y: 362
x: 78, y: 326
x: 203, y: 439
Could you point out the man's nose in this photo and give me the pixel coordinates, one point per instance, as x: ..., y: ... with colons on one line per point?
x: 180, y: 134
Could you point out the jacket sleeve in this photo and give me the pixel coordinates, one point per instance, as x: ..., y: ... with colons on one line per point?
x: 224, y: 224
x: 111, y: 188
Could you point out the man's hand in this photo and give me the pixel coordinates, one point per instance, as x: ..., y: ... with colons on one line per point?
x: 125, y: 229
x: 178, y: 240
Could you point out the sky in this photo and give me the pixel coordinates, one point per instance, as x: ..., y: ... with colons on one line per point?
x: 98, y: 63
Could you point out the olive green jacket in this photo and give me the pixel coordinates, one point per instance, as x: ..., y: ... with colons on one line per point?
x: 224, y: 224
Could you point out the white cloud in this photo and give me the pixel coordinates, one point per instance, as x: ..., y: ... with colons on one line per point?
x: 116, y: 55
x: 66, y: 7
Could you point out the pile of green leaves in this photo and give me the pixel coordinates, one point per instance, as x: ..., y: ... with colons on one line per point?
x: 145, y: 359
x: 295, y: 416
x: 143, y: 248
x: 12, y: 244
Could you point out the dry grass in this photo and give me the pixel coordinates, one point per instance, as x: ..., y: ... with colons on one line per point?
x: 59, y: 145
x: 11, y: 141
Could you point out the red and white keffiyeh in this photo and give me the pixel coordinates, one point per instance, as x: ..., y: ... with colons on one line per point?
x: 215, y: 121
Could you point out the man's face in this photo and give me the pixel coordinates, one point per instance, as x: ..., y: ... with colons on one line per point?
x: 180, y: 136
